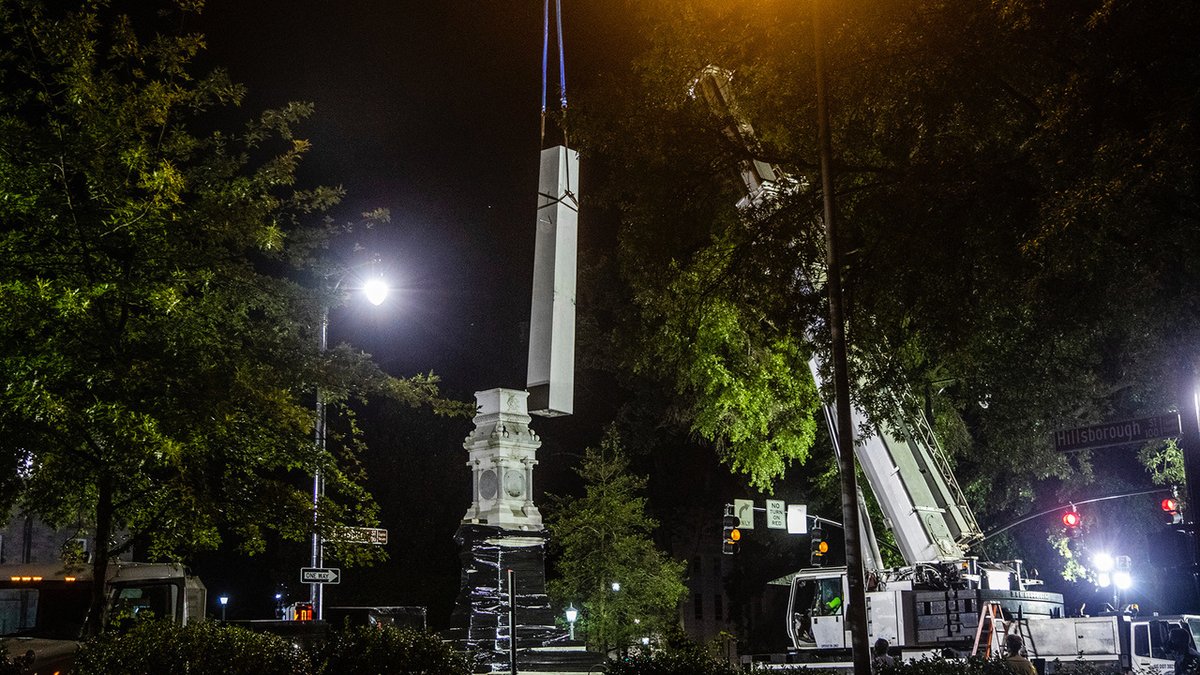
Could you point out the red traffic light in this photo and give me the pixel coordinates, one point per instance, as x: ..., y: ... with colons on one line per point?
x: 1072, y: 519
x: 1170, y: 505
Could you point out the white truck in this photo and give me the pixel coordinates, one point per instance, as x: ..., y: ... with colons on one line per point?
x: 43, y: 606
x: 935, y: 603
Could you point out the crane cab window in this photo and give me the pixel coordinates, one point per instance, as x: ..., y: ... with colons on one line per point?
x: 827, y: 601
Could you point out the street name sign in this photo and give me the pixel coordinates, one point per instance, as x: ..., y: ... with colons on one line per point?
x: 776, y: 514
x: 320, y: 575
x: 362, y: 535
x: 1117, y: 433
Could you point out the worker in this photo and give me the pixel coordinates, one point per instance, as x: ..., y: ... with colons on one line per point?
x: 828, y: 601
x: 880, y: 658
x: 1179, y: 643
x: 1014, y: 659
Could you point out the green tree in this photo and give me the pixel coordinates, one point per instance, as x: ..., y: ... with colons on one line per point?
x: 159, y: 351
x: 1018, y: 216
x: 605, y: 537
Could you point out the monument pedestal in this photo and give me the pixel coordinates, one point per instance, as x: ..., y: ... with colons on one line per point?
x: 480, y: 616
x: 501, y: 531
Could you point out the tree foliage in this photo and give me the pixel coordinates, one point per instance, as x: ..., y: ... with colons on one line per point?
x: 605, y: 537
x: 158, y: 340
x: 1018, y: 204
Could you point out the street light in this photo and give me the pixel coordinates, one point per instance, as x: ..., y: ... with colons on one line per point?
x: 376, y: 291
x: 224, y: 600
x: 572, y: 614
x: 616, y: 586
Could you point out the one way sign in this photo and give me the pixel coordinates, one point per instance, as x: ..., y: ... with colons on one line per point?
x: 320, y: 575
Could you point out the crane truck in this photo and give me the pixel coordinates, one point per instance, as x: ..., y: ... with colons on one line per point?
x: 942, y: 600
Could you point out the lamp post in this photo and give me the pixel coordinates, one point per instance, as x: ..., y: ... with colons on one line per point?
x: 572, y: 615
x: 224, y: 600
x: 376, y: 291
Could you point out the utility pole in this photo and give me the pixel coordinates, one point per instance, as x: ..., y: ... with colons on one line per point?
x: 1189, y: 445
x: 856, y: 610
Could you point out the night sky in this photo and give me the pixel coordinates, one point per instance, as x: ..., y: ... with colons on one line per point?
x: 430, y: 110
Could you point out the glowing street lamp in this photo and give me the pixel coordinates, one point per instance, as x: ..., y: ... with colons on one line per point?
x: 224, y: 600
x: 572, y: 615
x: 376, y: 291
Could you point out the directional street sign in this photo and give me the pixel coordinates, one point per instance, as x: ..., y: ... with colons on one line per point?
x: 744, y: 510
x: 320, y: 575
x: 776, y: 514
x: 362, y: 535
x: 1117, y: 433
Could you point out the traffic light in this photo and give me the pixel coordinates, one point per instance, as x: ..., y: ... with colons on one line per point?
x: 731, y: 536
x: 298, y: 611
x: 1170, y: 506
x: 818, y: 547
x: 1072, y: 520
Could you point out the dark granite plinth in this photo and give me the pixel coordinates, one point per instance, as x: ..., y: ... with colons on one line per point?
x: 480, y: 619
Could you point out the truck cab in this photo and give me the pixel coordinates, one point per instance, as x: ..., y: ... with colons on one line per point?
x: 44, y: 606
x: 1148, y: 641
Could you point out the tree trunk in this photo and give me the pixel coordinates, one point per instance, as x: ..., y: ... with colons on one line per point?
x: 104, y: 515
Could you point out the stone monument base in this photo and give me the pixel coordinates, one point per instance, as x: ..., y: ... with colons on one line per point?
x: 480, y: 622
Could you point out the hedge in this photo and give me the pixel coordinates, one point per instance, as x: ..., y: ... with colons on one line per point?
x: 203, y: 648
x: 210, y: 648
x: 375, y: 650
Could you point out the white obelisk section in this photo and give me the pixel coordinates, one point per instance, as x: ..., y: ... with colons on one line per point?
x: 551, y: 374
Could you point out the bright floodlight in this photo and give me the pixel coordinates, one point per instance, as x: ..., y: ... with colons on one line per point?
x: 376, y: 291
x: 1103, y: 580
x: 1122, y: 580
x: 1103, y: 562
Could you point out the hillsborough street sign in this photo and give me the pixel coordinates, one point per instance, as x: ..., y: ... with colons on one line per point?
x: 362, y: 535
x: 1117, y: 433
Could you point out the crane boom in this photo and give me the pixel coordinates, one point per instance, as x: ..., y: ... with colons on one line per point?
x: 900, y: 457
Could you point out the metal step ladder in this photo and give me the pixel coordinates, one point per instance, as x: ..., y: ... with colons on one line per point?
x: 993, y: 629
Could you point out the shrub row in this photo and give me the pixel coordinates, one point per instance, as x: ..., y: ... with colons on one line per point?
x: 209, y: 648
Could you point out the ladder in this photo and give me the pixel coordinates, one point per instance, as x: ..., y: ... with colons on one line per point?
x: 993, y: 629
